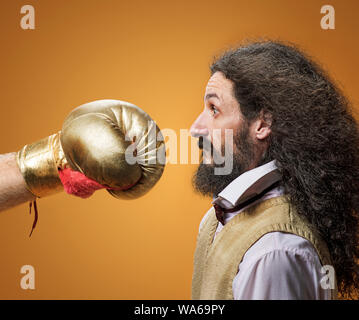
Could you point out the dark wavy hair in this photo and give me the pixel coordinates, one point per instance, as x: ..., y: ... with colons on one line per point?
x: 314, y: 138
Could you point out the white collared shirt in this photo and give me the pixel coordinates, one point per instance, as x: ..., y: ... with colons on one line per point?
x: 279, y: 265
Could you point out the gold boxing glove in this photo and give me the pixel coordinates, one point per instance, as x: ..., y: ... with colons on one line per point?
x: 112, y: 142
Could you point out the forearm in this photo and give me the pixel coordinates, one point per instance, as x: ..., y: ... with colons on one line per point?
x: 13, y: 189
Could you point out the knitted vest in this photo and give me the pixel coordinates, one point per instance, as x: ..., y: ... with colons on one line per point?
x: 216, y: 264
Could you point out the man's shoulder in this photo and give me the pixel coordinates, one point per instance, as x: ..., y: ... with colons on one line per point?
x: 280, y: 266
x: 281, y: 242
x: 205, y: 218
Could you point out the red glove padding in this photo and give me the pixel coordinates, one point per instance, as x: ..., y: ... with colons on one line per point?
x: 78, y: 184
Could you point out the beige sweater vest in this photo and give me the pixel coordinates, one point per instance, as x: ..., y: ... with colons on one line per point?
x: 216, y: 264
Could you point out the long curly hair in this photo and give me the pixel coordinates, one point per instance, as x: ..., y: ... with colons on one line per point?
x: 314, y: 139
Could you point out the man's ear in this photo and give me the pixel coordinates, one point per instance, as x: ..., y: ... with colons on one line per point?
x: 262, y: 125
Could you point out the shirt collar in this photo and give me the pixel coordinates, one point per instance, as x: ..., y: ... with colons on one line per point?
x: 248, y: 185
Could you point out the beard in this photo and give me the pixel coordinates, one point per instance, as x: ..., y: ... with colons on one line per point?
x: 207, y: 183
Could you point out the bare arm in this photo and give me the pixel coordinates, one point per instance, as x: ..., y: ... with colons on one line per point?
x: 12, y: 185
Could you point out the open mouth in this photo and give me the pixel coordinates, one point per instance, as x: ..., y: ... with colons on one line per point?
x: 204, y: 144
x: 206, y: 147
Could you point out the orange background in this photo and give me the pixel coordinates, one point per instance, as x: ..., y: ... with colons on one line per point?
x: 154, y: 54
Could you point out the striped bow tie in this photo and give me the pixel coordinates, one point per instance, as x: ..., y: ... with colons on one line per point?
x: 220, y: 211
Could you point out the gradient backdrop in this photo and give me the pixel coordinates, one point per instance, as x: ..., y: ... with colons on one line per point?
x: 154, y: 54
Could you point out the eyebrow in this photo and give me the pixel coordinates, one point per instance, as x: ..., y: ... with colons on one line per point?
x: 211, y: 95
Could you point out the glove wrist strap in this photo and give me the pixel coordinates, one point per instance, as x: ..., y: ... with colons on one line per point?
x: 39, y: 163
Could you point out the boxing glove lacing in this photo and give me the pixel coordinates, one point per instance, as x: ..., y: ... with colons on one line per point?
x: 36, y: 216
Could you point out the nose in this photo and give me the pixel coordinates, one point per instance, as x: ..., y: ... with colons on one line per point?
x: 199, y: 127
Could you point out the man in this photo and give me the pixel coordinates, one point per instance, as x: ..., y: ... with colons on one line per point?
x: 290, y: 205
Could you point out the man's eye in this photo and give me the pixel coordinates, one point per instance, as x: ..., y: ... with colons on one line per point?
x: 213, y: 109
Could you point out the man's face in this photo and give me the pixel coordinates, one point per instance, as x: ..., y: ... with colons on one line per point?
x: 221, y: 111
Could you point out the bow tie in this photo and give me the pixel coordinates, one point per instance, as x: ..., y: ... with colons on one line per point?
x: 220, y: 212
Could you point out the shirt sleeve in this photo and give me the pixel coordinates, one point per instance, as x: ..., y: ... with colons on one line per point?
x: 280, y: 274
